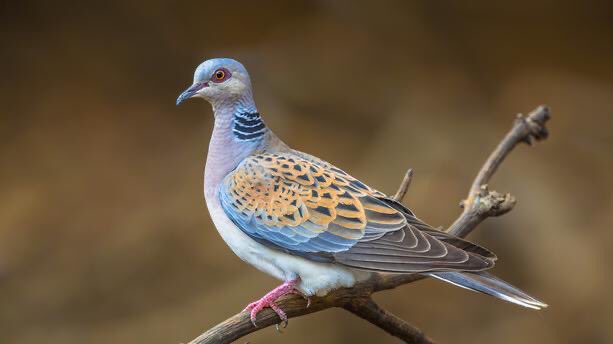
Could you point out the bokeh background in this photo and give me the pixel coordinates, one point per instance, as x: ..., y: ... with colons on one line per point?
x: 104, y: 234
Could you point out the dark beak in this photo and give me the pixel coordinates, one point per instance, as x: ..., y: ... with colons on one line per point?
x: 191, y: 91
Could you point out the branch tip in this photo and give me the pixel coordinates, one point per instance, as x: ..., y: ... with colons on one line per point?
x: 404, y: 186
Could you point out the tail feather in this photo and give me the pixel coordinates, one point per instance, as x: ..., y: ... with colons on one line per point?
x: 487, y: 283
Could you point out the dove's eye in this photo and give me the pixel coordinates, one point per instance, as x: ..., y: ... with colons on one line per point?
x: 220, y: 75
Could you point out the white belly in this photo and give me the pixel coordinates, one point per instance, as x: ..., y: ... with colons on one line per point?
x: 315, y: 278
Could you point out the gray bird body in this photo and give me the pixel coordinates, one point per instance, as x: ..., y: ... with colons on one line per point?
x: 299, y: 218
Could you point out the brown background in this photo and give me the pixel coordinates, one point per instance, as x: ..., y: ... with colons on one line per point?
x: 104, y: 235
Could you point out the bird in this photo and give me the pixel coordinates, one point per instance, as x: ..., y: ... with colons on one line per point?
x: 308, y: 223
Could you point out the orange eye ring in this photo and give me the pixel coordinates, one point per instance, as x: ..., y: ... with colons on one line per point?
x: 221, y: 75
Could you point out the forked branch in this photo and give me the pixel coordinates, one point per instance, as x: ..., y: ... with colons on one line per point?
x: 480, y: 204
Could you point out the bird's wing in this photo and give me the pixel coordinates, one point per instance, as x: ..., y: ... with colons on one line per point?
x: 307, y: 207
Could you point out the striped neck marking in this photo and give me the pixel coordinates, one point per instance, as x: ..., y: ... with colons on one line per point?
x: 248, y: 126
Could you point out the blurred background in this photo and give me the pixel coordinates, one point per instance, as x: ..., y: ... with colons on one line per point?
x: 104, y: 234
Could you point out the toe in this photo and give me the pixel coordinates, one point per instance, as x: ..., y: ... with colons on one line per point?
x: 250, y: 306
x: 280, y: 313
x: 253, y: 316
x: 254, y: 308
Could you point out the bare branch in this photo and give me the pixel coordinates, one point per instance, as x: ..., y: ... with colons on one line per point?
x: 368, y: 310
x: 404, y: 186
x: 480, y: 204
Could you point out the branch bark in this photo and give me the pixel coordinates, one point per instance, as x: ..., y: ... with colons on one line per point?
x: 480, y: 204
x: 368, y: 310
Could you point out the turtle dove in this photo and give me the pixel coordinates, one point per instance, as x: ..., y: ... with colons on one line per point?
x: 307, y: 222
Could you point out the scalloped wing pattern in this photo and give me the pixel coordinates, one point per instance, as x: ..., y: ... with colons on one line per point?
x: 310, y: 208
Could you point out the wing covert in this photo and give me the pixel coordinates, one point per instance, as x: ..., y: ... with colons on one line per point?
x: 304, y: 206
x: 307, y: 207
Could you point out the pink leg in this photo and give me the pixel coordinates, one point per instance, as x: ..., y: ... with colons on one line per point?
x: 269, y: 299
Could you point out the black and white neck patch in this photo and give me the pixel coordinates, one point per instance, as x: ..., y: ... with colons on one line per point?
x: 248, y: 126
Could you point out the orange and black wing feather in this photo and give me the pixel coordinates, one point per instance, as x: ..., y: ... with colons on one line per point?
x: 307, y: 207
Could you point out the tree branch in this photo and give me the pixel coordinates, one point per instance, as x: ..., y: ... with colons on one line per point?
x: 368, y: 310
x: 480, y: 204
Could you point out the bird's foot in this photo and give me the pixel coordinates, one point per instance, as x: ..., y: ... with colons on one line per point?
x: 269, y: 299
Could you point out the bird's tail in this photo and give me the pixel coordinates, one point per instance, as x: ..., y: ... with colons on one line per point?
x: 487, y: 283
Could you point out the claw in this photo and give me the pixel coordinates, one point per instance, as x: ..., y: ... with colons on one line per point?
x: 304, y: 296
x: 280, y: 313
x: 283, y: 324
x: 268, y: 301
x: 253, y: 316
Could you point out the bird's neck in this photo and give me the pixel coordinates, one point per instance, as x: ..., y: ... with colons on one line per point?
x: 237, y: 133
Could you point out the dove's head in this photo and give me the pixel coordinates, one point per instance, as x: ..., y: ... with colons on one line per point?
x: 218, y: 81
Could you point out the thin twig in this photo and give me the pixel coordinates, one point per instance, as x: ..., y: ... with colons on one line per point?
x: 482, y: 203
x: 404, y: 186
x: 479, y: 205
